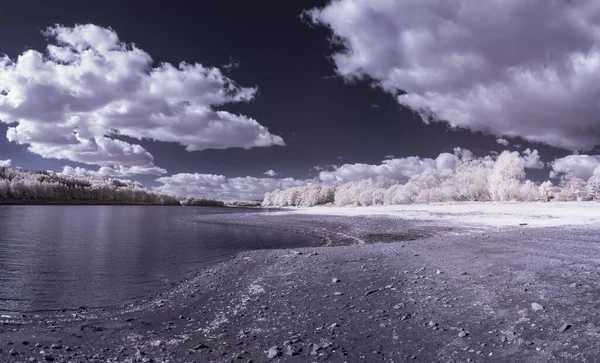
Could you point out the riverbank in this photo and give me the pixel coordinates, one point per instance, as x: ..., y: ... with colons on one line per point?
x: 391, y: 290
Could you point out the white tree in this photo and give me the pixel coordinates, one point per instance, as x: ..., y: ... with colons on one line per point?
x: 546, y: 191
x: 572, y: 188
x: 469, y: 182
x: 506, y: 176
x: 593, y: 187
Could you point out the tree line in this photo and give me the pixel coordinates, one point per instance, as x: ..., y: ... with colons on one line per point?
x: 473, y: 180
x: 29, y: 186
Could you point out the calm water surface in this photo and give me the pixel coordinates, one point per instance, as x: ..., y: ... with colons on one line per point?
x: 55, y: 257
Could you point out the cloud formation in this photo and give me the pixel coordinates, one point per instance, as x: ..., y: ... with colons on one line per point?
x: 5, y: 163
x: 222, y: 188
x: 270, y: 172
x: 502, y: 141
x: 531, y: 159
x: 88, y: 87
x: 114, y: 171
x: 582, y: 166
x: 400, y: 169
x: 509, y: 68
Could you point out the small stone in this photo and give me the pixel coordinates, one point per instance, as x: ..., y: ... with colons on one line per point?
x: 337, y: 293
x: 438, y: 272
x: 462, y: 334
x: 575, y: 284
x: 56, y: 346
x: 13, y: 352
x: 432, y: 323
x: 273, y: 352
x: 200, y: 346
x: 564, y: 327
x: 536, y: 307
x: 49, y: 357
x: 335, y: 280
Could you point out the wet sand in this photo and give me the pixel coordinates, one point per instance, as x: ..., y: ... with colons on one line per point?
x: 379, y: 290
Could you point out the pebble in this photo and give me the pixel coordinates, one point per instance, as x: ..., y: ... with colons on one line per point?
x: 273, y: 352
x: 564, y: 327
x: 335, y: 280
x: 56, y: 346
x: 462, y: 334
x: 536, y: 307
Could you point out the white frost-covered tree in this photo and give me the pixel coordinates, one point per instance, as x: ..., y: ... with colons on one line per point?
x: 506, y: 177
x: 470, y: 181
x: 593, y: 187
x: 546, y: 191
x: 573, y: 188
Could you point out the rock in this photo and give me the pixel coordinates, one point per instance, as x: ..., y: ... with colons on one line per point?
x: 335, y: 280
x: 13, y: 352
x: 372, y: 292
x: 291, y: 350
x: 564, y: 327
x: 337, y: 293
x: 49, y: 357
x: 438, y: 272
x: 273, y: 352
x: 575, y: 284
x: 200, y: 346
x: 432, y: 323
x: 462, y: 334
x: 56, y: 346
x: 536, y: 307
x: 314, y: 349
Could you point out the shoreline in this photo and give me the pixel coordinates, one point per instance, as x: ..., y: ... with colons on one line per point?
x: 380, y: 300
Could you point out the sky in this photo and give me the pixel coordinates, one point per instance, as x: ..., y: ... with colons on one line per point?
x: 232, y: 99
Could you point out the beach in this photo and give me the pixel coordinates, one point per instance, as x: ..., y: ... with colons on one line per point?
x: 380, y: 289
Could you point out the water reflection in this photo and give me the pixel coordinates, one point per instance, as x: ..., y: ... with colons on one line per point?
x: 54, y: 257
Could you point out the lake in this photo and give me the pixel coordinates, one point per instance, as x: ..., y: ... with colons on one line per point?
x: 64, y: 257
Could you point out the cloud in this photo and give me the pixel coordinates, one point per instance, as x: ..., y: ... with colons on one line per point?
x: 509, y: 68
x: 72, y: 101
x: 5, y: 163
x: 222, y: 188
x: 531, y: 159
x: 583, y: 166
x: 270, y: 173
x: 117, y: 171
x: 400, y: 169
x: 502, y: 141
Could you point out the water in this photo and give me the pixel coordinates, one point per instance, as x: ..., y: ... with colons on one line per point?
x: 61, y: 257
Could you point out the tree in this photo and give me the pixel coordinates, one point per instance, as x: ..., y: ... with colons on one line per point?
x: 506, y: 176
x: 572, y: 188
x: 546, y: 191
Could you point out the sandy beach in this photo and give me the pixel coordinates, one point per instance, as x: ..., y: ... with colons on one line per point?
x: 380, y: 289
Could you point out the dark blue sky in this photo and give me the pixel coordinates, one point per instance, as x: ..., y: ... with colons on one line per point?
x: 322, y: 118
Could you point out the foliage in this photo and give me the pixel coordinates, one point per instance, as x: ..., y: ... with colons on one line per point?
x: 44, y: 186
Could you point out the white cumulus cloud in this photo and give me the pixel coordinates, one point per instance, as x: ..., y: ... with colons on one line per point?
x: 117, y: 171
x: 221, y: 187
x: 400, y: 169
x: 70, y: 101
x: 582, y: 166
x: 5, y: 163
x: 502, y: 141
x: 531, y: 159
x: 270, y: 172
x: 509, y: 68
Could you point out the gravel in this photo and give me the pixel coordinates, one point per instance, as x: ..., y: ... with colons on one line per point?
x: 390, y: 304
